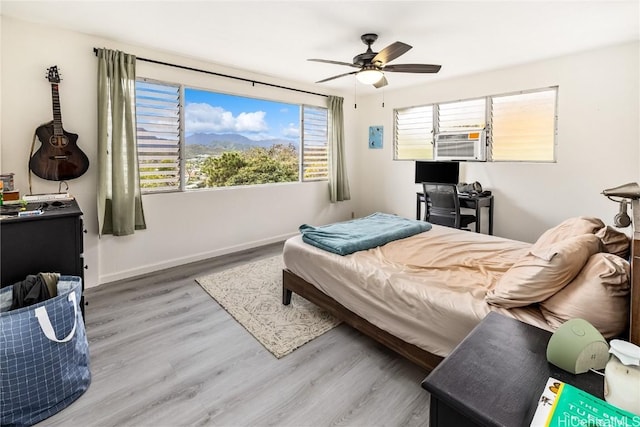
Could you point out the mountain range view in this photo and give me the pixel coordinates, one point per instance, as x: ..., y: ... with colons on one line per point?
x: 216, y: 143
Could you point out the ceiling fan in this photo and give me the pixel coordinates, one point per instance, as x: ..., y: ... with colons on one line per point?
x: 372, y: 65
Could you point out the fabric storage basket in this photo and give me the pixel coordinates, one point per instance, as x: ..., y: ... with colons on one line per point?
x: 44, y: 355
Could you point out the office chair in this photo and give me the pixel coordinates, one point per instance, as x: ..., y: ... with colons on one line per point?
x: 442, y: 206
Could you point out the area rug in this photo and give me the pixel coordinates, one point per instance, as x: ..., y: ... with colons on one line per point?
x: 252, y: 294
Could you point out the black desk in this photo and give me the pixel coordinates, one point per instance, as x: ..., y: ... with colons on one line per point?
x: 466, y: 201
x: 496, y: 376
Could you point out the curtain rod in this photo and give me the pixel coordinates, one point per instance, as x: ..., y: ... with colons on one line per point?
x: 253, y: 82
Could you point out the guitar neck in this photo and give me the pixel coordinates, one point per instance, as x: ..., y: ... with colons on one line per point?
x: 57, y: 112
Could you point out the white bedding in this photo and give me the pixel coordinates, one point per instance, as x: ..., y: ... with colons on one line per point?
x: 427, y: 289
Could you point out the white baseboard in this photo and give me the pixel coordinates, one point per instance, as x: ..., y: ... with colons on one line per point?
x: 150, y: 268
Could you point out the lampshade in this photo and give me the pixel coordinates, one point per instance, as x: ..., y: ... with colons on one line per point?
x: 629, y: 191
x: 369, y: 76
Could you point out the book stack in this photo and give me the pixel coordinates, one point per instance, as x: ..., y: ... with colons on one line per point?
x: 562, y: 405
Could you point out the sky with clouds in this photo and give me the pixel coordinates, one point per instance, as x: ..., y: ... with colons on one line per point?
x: 209, y: 112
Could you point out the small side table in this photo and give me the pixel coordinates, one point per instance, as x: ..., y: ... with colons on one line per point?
x: 495, y: 376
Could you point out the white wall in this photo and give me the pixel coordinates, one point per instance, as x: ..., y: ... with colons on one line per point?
x: 182, y: 227
x: 598, y: 147
x: 598, y: 142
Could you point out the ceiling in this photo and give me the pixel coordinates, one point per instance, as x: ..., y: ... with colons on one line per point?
x: 277, y: 37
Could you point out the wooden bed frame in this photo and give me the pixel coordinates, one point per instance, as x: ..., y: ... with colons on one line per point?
x: 293, y: 283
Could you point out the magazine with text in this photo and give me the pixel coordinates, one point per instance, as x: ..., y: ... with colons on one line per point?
x: 562, y: 405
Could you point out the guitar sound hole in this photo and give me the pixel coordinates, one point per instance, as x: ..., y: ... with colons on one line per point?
x: 59, y: 141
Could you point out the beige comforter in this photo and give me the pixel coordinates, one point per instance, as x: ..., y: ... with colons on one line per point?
x: 427, y: 289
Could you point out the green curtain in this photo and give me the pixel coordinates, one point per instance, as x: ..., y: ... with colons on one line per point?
x: 119, y: 201
x: 338, y: 181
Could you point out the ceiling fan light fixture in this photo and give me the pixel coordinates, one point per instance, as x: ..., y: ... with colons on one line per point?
x: 371, y: 64
x: 369, y: 76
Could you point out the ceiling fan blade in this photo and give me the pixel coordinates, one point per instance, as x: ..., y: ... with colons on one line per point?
x: 335, y: 77
x: 391, y: 52
x: 328, y: 61
x: 413, y: 68
x: 381, y: 83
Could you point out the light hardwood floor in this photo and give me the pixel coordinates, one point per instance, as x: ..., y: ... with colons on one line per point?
x: 164, y: 353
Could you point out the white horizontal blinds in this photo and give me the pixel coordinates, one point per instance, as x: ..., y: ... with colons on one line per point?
x: 413, y: 133
x: 315, y: 143
x: 524, y: 126
x: 158, y: 133
x: 462, y: 115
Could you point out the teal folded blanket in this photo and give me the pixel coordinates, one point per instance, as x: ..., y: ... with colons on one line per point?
x: 344, y: 238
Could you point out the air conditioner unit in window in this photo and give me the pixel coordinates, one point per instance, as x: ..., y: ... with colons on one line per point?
x: 467, y: 145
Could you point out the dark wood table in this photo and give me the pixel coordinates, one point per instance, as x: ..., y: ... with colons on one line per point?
x: 496, y: 375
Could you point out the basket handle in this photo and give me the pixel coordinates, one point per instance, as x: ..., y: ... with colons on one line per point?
x: 45, y: 323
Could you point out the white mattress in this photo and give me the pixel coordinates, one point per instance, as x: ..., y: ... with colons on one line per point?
x: 427, y: 289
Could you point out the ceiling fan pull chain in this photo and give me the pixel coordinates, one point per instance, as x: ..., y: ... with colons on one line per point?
x: 355, y: 94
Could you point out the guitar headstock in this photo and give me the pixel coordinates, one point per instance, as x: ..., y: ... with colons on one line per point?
x: 52, y: 74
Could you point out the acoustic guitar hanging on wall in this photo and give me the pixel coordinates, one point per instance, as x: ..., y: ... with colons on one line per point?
x: 58, y: 158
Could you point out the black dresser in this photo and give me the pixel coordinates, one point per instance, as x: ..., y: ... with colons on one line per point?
x: 50, y: 242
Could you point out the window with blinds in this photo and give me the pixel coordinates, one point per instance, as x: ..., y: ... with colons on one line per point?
x: 524, y: 126
x: 519, y: 126
x: 315, y: 144
x: 413, y: 133
x: 158, y: 135
x: 191, y: 139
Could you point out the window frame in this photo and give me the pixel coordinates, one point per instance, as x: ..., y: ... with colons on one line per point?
x: 182, y: 140
x: 488, y: 119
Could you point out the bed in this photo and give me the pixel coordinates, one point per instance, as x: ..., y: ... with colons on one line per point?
x: 421, y: 295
